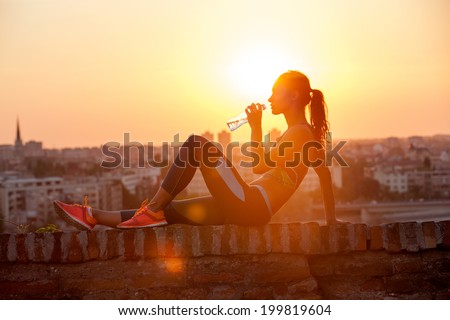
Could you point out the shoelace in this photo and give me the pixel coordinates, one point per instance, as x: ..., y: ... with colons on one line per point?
x: 143, y: 208
x: 83, y: 205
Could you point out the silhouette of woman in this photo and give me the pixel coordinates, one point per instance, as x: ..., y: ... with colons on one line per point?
x: 232, y: 200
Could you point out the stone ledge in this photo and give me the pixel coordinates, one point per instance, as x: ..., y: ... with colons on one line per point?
x: 194, y: 241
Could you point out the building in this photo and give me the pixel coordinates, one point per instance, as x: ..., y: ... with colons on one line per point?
x: 30, y: 200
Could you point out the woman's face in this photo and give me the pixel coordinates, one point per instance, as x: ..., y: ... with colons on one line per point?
x: 281, y: 99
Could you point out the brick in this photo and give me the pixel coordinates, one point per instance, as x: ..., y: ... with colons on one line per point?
x: 358, y: 237
x: 373, y: 285
x: 376, y: 238
x: 93, y: 250
x: 206, y: 240
x: 38, y: 244
x: 112, y: 247
x: 342, y: 237
x: 328, y: 239
x: 160, y: 278
x: 21, y: 249
x: 277, y: 245
x: 280, y: 268
x: 4, y: 240
x: 429, y: 235
x: 311, y: 239
x: 192, y: 294
x: 225, y: 292
x: 37, y: 289
x: 309, y: 285
x: 408, y: 236
x: 295, y: 237
x: 72, y: 250
x: 239, y: 239
x: 445, y: 233
x: 150, y: 245
x: 401, y: 285
x: 56, y: 254
x: 86, y: 285
x: 391, y: 237
x: 258, y: 293
x: 182, y: 237
x: 257, y: 240
x: 216, y: 278
x: 129, y: 244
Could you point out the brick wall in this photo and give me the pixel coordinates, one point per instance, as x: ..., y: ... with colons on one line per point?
x: 278, y: 261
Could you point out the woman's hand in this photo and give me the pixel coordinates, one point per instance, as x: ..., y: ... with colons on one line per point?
x: 254, y: 115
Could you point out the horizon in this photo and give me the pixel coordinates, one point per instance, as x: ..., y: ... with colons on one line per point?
x: 75, y: 77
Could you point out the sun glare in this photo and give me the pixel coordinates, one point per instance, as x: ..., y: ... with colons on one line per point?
x: 253, y: 71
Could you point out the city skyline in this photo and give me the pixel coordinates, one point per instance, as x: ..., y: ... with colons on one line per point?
x: 210, y: 135
x: 81, y: 73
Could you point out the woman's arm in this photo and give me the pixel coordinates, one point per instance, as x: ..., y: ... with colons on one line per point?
x: 326, y: 186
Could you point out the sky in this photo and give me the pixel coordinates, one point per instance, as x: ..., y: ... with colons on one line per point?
x: 83, y: 73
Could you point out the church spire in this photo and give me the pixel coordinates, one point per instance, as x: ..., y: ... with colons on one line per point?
x: 18, y: 138
x: 18, y: 146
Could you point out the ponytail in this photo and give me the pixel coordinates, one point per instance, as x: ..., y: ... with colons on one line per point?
x: 318, y: 115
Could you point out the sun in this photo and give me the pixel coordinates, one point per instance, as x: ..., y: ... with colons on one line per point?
x: 253, y: 71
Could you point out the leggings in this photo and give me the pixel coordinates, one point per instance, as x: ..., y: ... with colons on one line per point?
x: 232, y: 200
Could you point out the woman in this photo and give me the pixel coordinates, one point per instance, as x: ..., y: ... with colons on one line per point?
x: 232, y: 200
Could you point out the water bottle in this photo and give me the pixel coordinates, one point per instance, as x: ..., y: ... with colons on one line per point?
x: 239, y: 120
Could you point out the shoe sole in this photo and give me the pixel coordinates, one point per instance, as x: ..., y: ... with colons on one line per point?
x: 60, y: 211
x: 147, y: 226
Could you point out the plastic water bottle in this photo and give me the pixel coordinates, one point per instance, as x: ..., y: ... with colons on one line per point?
x: 240, y: 119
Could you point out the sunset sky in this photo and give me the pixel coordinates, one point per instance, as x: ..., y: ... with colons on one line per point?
x: 81, y: 73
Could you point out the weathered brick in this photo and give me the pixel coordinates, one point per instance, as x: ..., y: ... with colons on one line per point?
x: 281, y: 268
x: 150, y: 245
x: 376, y: 238
x: 429, y: 235
x: 93, y: 284
x: 182, y: 240
x: 129, y: 244
x: 391, y: 237
x: 71, y: 247
x: 112, y: 247
x: 256, y: 241
x: 408, y: 236
x: 342, y: 232
x: 56, y: 255
x: 192, y: 294
x: 37, y: 289
x: 358, y: 240
x: 21, y: 249
x: 225, y: 292
x: 399, y: 285
x: 295, y: 237
x: 277, y: 245
x: 238, y: 239
x: 445, y: 233
x: 329, y: 239
x: 38, y: 243
x: 258, y: 293
x: 373, y: 285
x: 311, y: 238
x: 4, y: 240
x: 93, y: 250
x: 206, y: 240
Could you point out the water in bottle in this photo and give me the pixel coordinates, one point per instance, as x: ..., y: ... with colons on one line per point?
x: 239, y: 120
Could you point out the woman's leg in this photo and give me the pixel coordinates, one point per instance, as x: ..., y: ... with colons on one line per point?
x: 107, y: 218
x: 233, y: 200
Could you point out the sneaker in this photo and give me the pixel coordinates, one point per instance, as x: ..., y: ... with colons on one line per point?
x: 143, y: 218
x: 78, y: 215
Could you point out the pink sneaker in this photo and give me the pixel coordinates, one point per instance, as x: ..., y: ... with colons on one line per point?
x: 78, y: 215
x: 143, y: 218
